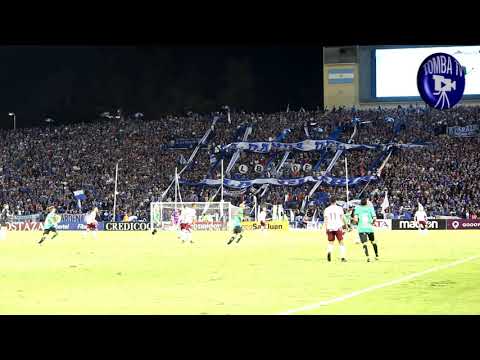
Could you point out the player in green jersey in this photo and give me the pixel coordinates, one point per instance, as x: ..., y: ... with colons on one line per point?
x: 364, y: 216
x: 49, y: 225
x: 237, y: 225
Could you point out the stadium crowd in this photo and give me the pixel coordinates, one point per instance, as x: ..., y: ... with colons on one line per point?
x: 43, y: 166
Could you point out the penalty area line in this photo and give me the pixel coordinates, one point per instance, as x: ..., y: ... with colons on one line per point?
x: 375, y: 287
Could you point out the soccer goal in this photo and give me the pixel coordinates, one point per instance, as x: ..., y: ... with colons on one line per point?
x: 208, y: 215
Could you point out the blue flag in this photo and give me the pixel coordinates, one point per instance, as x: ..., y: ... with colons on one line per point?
x: 79, y: 195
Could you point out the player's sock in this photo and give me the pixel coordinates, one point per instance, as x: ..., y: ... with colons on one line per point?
x: 42, y: 239
x: 342, y: 251
x: 329, y: 252
x: 231, y: 240
x: 375, y: 248
x: 55, y: 235
x: 365, y: 248
x: 239, y: 238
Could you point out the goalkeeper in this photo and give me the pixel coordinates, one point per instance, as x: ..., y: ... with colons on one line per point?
x: 51, y: 221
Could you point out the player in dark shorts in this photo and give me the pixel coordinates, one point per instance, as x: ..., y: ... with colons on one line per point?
x: 365, y: 216
x: 237, y: 229
x: 50, y: 222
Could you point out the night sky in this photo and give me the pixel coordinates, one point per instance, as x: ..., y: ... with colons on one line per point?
x: 72, y: 84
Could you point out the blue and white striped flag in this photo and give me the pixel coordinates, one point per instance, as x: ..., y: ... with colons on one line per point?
x: 79, y: 196
x: 341, y: 76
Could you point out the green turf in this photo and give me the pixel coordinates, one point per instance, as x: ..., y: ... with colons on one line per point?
x: 266, y: 273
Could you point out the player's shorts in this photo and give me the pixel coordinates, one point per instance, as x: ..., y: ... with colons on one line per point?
x: 263, y: 223
x: 48, y: 230
x: 423, y: 223
x: 92, y: 226
x: 186, y: 227
x: 335, y: 234
x: 366, y: 236
x: 237, y: 230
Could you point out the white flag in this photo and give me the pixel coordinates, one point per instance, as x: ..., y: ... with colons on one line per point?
x: 385, y: 203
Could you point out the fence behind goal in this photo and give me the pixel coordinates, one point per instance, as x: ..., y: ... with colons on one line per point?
x: 208, y: 215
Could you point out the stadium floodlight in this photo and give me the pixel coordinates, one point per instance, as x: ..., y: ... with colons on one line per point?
x: 14, y: 119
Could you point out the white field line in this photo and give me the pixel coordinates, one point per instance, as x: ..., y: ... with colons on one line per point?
x: 375, y: 287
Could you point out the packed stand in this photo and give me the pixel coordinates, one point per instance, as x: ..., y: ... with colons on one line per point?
x: 43, y: 166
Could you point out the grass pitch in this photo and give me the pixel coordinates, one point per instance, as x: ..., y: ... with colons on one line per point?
x: 266, y: 273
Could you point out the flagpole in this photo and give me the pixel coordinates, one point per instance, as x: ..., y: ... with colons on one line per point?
x: 115, y: 193
x: 346, y: 176
x: 176, y: 185
x: 221, y: 186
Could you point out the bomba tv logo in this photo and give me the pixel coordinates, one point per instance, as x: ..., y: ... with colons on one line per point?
x: 441, y: 81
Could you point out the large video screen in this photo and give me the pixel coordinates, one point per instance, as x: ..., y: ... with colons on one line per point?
x: 396, y: 69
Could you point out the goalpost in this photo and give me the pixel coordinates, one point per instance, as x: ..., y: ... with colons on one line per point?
x: 209, y: 215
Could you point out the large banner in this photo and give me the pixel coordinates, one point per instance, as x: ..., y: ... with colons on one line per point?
x: 38, y: 226
x: 241, y: 184
x: 464, y: 131
x: 383, y: 224
x: 210, y: 225
x: 461, y: 224
x: 309, y: 145
x: 271, y: 225
x: 25, y: 226
x: 433, y: 224
x: 127, y: 226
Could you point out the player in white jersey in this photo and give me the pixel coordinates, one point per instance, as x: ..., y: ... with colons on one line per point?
x: 334, y: 221
x: 91, y: 221
x: 262, y: 217
x: 187, y: 218
x: 176, y: 222
x: 4, y: 217
x: 421, y: 219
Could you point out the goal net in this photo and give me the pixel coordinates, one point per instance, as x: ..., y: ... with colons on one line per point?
x: 208, y: 215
